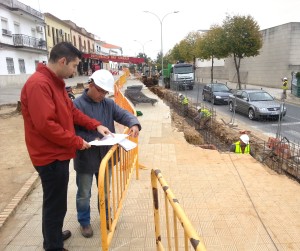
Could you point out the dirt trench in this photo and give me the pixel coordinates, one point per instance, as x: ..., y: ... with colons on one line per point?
x: 222, y: 133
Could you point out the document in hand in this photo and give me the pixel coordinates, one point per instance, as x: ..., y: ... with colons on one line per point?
x: 110, y: 140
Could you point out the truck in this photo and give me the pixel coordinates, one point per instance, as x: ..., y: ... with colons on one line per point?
x: 179, y: 76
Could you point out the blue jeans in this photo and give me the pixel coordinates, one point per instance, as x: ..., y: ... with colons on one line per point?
x: 84, y: 184
x: 55, y: 179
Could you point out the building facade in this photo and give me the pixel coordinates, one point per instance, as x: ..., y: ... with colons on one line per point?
x: 22, y: 42
x: 56, y: 31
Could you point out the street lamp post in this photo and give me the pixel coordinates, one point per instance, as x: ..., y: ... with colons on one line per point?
x: 161, y: 38
x: 143, y: 44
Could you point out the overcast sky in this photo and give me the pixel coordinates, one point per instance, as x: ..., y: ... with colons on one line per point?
x: 121, y: 22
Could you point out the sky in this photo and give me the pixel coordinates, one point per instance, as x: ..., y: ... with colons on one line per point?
x: 121, y: 22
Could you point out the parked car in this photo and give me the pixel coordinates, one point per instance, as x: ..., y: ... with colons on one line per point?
x: 217, y: 93
x: 256, y: 104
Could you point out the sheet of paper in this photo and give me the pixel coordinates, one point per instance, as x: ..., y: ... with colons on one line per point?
x: 127, y: 144
x: 109, y: 140
x: 120, y: 139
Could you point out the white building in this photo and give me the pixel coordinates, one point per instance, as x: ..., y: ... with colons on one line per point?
x: 22, y: 42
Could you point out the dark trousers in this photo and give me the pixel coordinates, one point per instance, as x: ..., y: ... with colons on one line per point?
x: 55, y: 179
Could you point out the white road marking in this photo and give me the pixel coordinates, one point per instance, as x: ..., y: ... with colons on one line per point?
x: 287, y: 124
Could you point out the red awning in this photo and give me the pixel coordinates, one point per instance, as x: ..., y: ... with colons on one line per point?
x: 120, y: 59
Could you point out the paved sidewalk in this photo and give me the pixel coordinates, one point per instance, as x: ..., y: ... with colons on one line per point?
x: 233, y: 201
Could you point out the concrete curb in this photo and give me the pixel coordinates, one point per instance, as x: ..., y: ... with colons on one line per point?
x: 11, y: 207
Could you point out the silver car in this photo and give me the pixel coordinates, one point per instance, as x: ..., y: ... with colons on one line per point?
x: 256, y: 104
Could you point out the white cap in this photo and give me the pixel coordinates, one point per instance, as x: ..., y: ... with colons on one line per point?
x: 104, y: 79
x: 245, y: 138
x: 285, y: 78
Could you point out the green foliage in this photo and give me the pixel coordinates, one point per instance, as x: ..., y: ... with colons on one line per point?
x: 239, y: 36
x: 243, y: 39
x: 243, y: 36
x: 212, y: 44
x: 298, y: 75
x: 185, y: 50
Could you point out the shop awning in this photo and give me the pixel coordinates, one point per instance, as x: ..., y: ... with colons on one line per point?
x: 119, y: 59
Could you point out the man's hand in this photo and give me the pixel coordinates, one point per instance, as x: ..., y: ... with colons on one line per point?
x: 85, y: 145
x: 103, y: 130
x: 134, y: 131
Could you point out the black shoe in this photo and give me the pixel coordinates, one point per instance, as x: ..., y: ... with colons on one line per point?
x: 66, y: 234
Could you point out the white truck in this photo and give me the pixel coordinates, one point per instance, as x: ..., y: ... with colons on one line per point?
x: 182, y: 76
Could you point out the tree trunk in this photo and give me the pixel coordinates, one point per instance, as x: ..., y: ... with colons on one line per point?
x: 237, y: 62
x: 212, y: 70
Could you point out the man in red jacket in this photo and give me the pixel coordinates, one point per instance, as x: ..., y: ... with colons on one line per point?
x: 49, y: 118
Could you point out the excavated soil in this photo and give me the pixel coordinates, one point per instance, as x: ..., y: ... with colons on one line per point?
x: 221, y: 131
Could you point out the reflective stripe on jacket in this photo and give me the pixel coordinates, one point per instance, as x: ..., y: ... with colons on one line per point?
x: 239, y: 150
x: 285, y: 85
x: 185, y: 101
x: 206, y: 113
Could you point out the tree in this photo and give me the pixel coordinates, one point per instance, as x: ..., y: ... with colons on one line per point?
x: 243, y: 39
x: 185, y: 49
x: 211, y: 45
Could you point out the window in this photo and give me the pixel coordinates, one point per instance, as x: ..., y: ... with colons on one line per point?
x: 53, y: 36
x: 239, y: 94
x: 4, y: 23
x: 36, y: 62
x: 244, y: 96
x: 10, y: 65
x: 17, y: 28
x: 5, y: 28
x: 48, y: 29
x: 33, y: 33
x: 22, y: 65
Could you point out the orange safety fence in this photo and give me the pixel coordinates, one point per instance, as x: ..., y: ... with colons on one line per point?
x: 115, y: 173
x: 191, y: 238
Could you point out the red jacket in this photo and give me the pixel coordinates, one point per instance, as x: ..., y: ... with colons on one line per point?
x: 49, y: 118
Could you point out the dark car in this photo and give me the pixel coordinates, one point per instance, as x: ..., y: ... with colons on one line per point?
x: 217, y: 93
x: 256, y: 104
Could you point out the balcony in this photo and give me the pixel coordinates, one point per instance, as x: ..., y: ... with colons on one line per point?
x: 20, y: 40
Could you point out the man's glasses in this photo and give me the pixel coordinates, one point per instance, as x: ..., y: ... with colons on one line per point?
x: 100, y: 89
x: 91, y: 81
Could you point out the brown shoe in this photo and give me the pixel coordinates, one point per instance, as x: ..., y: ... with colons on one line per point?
x: 86, y: 231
